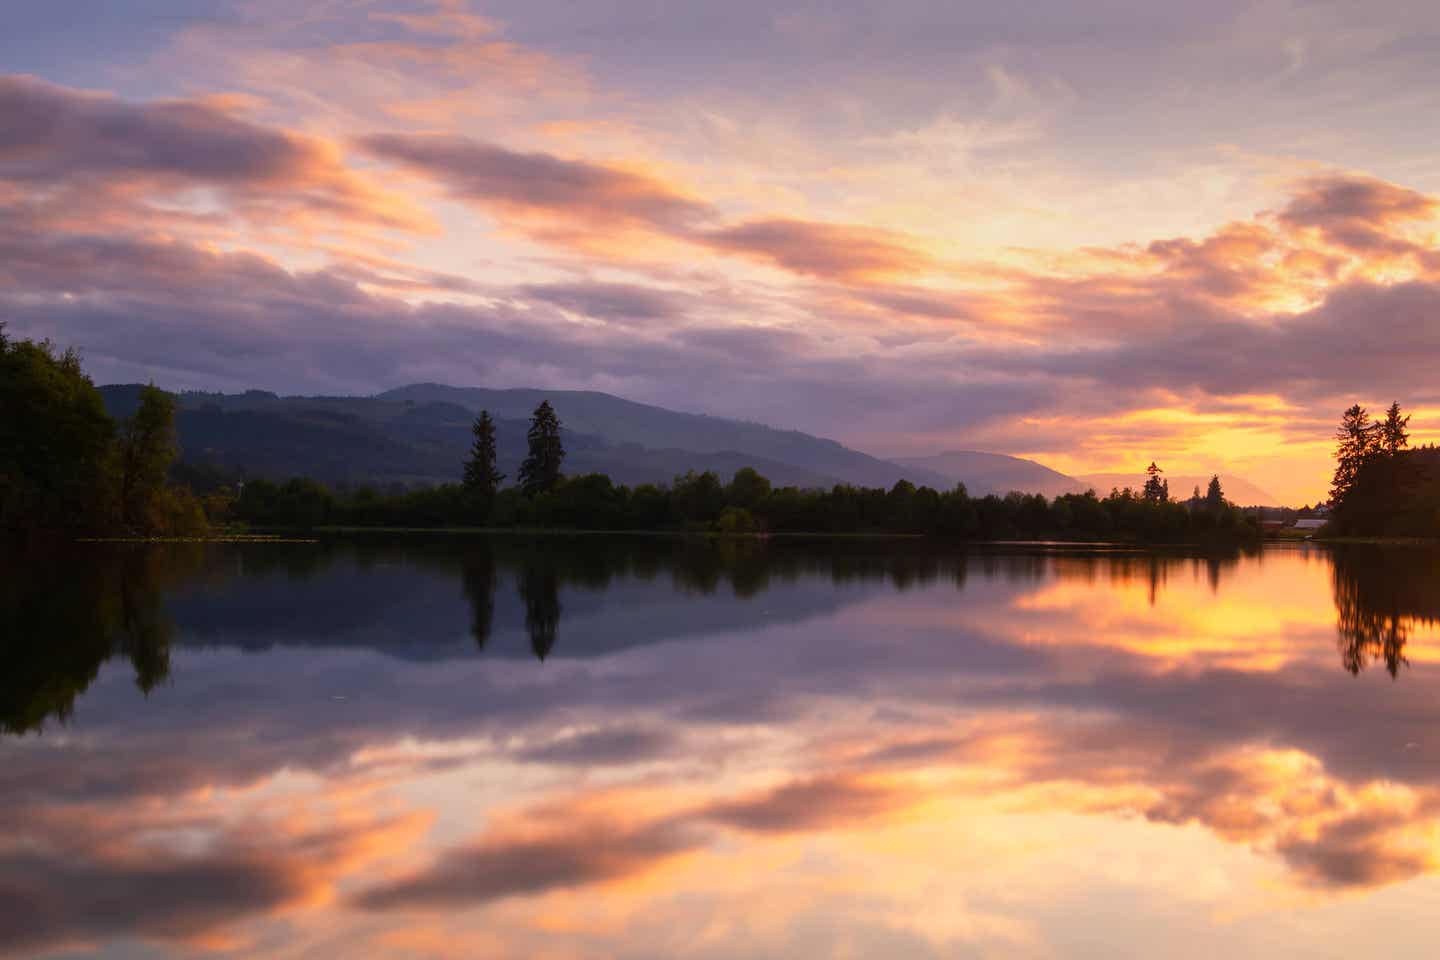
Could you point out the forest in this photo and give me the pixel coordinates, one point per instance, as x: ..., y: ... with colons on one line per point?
x: 66, y: 466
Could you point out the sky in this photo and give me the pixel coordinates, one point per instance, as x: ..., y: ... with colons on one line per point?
x: 1094, y: 234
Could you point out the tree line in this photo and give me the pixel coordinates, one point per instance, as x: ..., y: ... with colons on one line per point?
x: 67, y: 465
x: 1382, y: 487
x: 746, y: 503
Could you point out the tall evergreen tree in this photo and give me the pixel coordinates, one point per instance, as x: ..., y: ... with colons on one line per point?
x: 1156, y: 489
x: 1358, y: 440
x: 481, y: 478
x: 541, y: 469
x: 1214, y: 493
x: 1394, y: 436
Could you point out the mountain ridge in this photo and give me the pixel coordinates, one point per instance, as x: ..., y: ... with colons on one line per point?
x: 419, y: 434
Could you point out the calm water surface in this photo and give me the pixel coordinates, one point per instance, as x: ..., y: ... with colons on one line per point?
x: 633, y: 748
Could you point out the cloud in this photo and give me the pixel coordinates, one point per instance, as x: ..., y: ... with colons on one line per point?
x: 831, y: 251
x: 105, y: 148
x: 490, y: 175
x: 620, y: 302
x: 1357, y: 213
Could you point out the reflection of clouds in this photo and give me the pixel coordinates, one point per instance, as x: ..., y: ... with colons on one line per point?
x: 68, y: 877
x: 563, y: 844
x: 801, y: 749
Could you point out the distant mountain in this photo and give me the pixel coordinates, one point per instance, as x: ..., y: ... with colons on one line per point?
x: 985, y: 473
x: 617, y: 421
x: 1238, y: 490
x: 421, y: 435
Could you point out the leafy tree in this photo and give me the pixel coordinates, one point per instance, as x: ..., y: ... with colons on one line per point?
x: 1394, y: 436
x: 698, y: 498
x: 147, y: 448
x: 481, y: 478
x: 55, y: 439
x: 1358, y: 440
x: 541, y: 469
x: 1214, y: 493
x: 747, y: 488
x: 1157, y: 490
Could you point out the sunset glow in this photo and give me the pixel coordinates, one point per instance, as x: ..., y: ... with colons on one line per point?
x: 1092, y: 237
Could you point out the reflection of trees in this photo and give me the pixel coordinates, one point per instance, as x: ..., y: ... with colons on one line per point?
x: 477, y: 573
x: 540, y: 592
x: 1380, y: 593
x: 64, y: 612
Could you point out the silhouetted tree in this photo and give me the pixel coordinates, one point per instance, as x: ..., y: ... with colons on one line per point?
x: 147, y: 448
x: 541, y: 469
x: 1394, y: 436
x: 1214, y: 493
x: 1156, y: 490
x: 1358, y: 440
x: 481, y: 479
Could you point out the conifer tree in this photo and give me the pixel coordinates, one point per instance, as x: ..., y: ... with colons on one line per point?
x: 541, y: 469
x: 1357, y: 441
x: 1394, y: 436
x: 1214, y: 493
x: 1156, y: 490
x: 481, y: 477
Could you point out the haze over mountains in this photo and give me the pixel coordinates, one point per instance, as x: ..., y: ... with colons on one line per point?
x: 420, y: 434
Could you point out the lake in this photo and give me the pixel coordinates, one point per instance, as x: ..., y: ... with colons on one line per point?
x: 635, y: 747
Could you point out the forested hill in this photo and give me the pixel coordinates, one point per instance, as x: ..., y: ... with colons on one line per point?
x: 618, y: 422
x: 420, y: 434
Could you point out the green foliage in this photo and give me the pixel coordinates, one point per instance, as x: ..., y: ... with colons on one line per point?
x: 55, y: 442
x: 64, y: 468
x: 747, y: 488
x: 697, y: 499
x: 146, y: 449
x: 700, y: 502
x: 541, y: 470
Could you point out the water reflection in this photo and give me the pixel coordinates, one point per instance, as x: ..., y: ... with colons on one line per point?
x: 1381, y: 595
x: 351, y: 747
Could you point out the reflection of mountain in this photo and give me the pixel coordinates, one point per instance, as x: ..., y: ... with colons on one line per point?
x: 1380, y: 593
x: 402, y: 600
x: 453, y: 598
